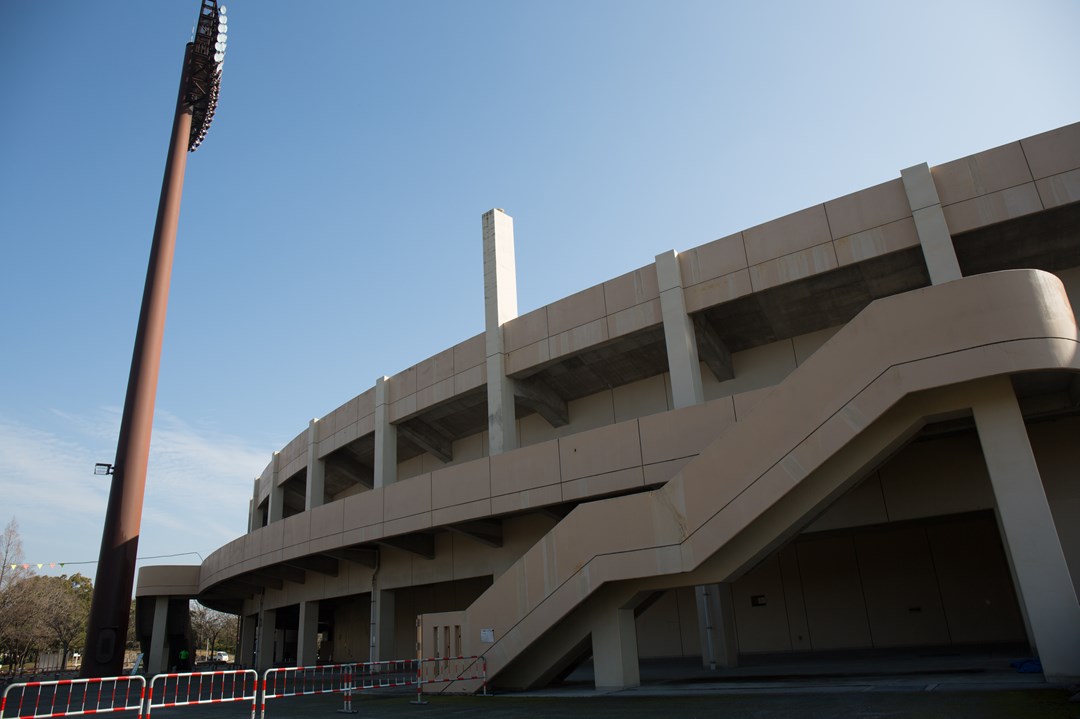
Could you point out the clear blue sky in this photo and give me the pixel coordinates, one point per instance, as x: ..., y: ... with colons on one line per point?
x: 330, y: 231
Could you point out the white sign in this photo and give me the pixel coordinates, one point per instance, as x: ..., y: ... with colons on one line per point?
x: 487, y: 636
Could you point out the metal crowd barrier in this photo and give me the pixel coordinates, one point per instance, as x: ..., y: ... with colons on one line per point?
x: 302, y: 681
x: 336, y: 679
x: 190, y: 688
x: 72, y: 697
x: 447, y: 670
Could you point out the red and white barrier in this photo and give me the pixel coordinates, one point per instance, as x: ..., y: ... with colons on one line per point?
x: 336, y: 679
x: 190, y: 688
x: 447, y: 670
x: 302, y: 681
x: 73, y: 697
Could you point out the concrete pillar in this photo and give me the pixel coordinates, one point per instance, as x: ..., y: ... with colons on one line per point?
x: 267, y: 635
x: 500, y: 306
x: 718, y: 645
x: 248, y: 624
x: 385, y: 436
x: 276, y: 503
x: 930, y: 223
x: 614, y: 645
x: 157, y: 662
x: 382, y: 625
x: 307, y: 644
x: 683, y: 363
x: 279, y: 646
x: 1031, y: 540
x: 716, y: 626
x: 316, y: 470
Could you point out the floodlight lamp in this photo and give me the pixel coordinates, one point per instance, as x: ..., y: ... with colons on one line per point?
x: 103, y: 468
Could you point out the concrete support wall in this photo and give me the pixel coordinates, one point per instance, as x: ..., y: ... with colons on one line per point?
x: 316, y: 470
x: 715, y: 618
x: 267, y: 639
x: 157, y: 662
x: 934, y: 236
x: 248, y: 624
x: 500, y: 306
x: 1038, y: 563
x: 276, y: 501
x: 382, y: 634
x: 385, y: 436
x: 716, y: 626
x: 307, y: 642
x: 614, y: 646
x: 685, y: 369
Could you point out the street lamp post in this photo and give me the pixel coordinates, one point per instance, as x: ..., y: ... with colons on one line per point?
x: 200, y: 79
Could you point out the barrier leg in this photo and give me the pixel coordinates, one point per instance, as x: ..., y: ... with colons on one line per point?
x: 419, y: 684
x: 347, y: 707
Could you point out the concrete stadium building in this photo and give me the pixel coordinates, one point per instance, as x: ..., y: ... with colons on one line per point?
x: 852, y: 427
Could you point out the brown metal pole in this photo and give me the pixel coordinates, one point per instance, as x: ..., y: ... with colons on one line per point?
x: 106, y: 633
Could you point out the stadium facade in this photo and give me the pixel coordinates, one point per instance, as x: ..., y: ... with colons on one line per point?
x: 852, y: 427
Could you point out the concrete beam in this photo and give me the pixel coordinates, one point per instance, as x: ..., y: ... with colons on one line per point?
x: 263, y: 580
x: 354, y: 468
x: 485, y: 531
x: 315, y: 563
x: 535, y: 394
x: 428, y: 438
x: 278, y: 571
x: 422, y: 545
x: 712, y: 350
x: 365, y: 557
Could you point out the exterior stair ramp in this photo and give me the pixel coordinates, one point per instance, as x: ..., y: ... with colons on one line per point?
x: 934, y: 353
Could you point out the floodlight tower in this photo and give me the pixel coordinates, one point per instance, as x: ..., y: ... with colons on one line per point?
x: 200, y: 79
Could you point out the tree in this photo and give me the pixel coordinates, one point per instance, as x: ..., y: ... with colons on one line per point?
x: 211, y: 627
x: 11, y: 551
x: 64, y: 610
x: 38, y: 613
x: 16, y: 628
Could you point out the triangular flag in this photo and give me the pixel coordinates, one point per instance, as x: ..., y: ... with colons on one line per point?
x: 39, y: 566
x: 61, y: 564
x: 26, y: 566
x: 52, y: 565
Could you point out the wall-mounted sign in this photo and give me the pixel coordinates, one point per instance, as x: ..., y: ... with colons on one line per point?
x: 487, y: 636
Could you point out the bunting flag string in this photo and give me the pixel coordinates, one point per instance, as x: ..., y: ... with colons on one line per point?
x: 54, y: 565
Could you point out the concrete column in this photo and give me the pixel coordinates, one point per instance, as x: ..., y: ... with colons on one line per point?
x: 614, y: 645
x: 267, y: 634
x: 248, y: 624
x: 382, y: 625
x: 307, y: 644
x: 279, y: 646
x: 157, y: 662
x: 717, y: 637
x: 1044, y: 584
x: 276, y: 504
x: 385, y: 436
x: 500, y: 306
x: 683, y: 363
x: 716, y: 626
x: 930, y: 223
x: 316, y: 470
